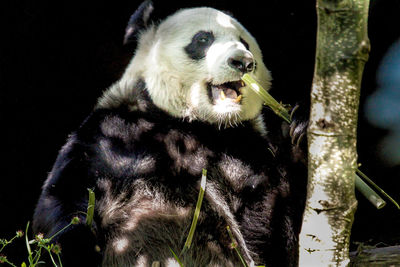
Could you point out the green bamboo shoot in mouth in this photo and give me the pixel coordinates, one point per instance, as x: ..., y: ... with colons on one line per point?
x: 267, y: 98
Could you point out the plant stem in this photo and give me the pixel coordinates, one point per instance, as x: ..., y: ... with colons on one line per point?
x: 7, y: 242
x: 51, y: 257
x: 10, y: 263
x: 37, y: 256
x: 234, y: 245
x: 65, y: 227
x: 59, y: 259
x: 28, y: 247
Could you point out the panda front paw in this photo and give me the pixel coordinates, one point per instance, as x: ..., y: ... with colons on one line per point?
x: 298, y: 126
x: 298, y: 132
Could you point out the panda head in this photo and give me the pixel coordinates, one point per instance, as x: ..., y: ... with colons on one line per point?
x: 192, y: 63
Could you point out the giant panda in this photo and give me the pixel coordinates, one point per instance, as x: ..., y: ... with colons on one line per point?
x: 180, y: 107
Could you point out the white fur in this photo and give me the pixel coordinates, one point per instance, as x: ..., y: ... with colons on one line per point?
x: 178, y: 84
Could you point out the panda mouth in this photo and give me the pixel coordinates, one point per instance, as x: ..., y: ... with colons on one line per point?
x: 229, y: 91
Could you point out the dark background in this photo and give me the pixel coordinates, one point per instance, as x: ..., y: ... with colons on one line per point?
x: 56, y: 59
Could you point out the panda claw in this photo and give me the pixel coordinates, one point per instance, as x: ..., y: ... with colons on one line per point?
x: 300, y: 139
x: 293, y: 111
x: 291, y: 133
x: 293, y: 138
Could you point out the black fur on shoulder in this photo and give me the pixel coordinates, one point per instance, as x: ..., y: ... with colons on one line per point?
x: 145, y: 168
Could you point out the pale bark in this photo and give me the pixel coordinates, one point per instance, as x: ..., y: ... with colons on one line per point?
x: 342, y: 50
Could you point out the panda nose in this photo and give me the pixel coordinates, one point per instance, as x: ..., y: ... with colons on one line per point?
x: 243, y: 64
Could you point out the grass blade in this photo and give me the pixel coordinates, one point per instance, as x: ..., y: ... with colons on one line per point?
x: 176, y: 257
x: 90, y: 209
x: 196, y: 212
x: 28, y: 246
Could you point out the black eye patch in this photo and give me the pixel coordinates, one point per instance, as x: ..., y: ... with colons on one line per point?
x: 244, y: 43
x: 201, y: 41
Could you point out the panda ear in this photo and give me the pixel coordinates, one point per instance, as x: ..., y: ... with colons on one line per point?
x: 227, y: 12
x: 138, y: 21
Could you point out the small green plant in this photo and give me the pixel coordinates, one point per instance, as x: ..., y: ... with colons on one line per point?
x: 42, y: 243
x: 39, y: 245
x: 36, y: 246
x: 5, y: 242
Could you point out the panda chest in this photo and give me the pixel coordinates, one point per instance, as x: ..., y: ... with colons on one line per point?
x: 231, y: 160
x: 175, y: 156
x: 162, y: 193
x: 184, y: 151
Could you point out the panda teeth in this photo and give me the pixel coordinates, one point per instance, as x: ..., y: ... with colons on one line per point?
x: 227, y: 91
x: 237, y: 100
x: 222, y: 95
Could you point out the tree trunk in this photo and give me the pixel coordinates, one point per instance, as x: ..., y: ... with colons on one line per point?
x: 342, y: 50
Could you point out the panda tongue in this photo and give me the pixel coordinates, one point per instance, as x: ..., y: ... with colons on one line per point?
x: 230, y: 93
